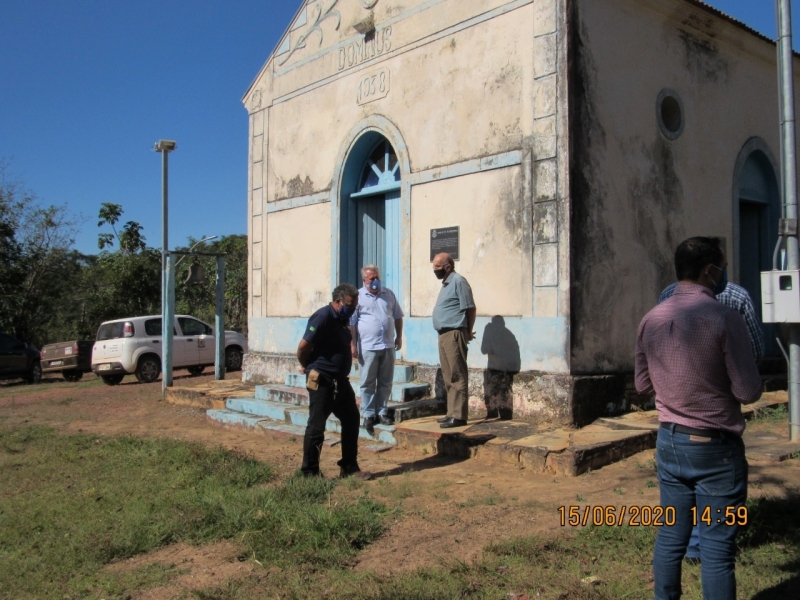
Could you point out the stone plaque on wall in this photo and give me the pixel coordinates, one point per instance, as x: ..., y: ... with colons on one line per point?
x: 444, y: 239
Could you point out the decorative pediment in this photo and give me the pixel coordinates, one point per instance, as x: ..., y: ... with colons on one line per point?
x: 315, y: 19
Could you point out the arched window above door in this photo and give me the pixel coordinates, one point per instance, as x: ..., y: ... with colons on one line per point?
x: 381, y: 172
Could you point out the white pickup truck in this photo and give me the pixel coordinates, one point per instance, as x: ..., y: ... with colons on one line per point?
x: 133, y: 347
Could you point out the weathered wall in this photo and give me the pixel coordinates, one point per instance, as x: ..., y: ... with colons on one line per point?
x: 636, y: 194
x: 295, y: 287
x: 472, y: 94
x: 490, y: 209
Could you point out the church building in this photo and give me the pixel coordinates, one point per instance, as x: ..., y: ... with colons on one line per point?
x: 559, y: 149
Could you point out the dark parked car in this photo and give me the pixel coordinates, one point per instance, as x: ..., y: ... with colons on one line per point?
x: 71, y: 359
x: 19, y: 360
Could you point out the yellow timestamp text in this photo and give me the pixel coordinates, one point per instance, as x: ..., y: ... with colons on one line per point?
x: 728, y: 515
x: 632, y: 516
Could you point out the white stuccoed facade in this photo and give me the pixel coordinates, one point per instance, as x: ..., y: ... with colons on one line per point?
x: 539, y: 129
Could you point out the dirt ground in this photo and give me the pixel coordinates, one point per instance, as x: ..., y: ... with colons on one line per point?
x: 450, y: 509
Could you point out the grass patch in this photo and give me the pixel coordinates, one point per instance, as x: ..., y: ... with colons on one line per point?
x: 21, y: 388
x: 593, y: 563
x: 771, y: 415
x: 71, y: 504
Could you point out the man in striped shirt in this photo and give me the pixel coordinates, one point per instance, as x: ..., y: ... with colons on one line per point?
x: 694, y: 353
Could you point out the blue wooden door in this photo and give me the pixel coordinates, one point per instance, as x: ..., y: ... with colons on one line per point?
x: 371, y: 244
x: 376, y: 223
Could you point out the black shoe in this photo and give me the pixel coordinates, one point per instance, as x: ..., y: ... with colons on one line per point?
x: 443, y: 419
x: 369, y: 425
x: 386, y: 420
x: 453, y: 423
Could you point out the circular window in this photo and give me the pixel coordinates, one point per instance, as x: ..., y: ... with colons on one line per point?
x: 669, y: 113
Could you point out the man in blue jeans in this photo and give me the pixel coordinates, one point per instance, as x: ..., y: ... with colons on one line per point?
x: 737, y: 298
x: 694, y: 353
x: 377, y: 330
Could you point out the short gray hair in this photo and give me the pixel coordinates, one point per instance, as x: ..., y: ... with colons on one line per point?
x: 369, y: 267
x: 344, y: 290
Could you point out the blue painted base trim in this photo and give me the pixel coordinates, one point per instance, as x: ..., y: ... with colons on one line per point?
x: 532, y: 343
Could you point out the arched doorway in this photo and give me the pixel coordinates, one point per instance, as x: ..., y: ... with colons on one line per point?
x: 758, y: 207
x: 370, y: 211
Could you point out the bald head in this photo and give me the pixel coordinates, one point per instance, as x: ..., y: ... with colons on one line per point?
x: 443, y: 265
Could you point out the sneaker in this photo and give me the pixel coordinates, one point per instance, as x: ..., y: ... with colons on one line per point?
x: 369, y: 425
x: 386, y: 420
x: 362, y: 475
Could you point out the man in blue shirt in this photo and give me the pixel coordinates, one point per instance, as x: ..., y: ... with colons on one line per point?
x: 324, y: 355
x: 377, y: 330
x: 453, y: 319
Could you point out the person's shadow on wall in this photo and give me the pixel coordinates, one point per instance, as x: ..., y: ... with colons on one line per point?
x: 504, y: 361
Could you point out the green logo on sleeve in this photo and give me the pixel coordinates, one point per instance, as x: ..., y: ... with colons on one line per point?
x: 312, y: 328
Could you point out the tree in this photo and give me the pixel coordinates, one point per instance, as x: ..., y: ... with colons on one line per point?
x: 200, y: 300
x: 37, y: 263
x: 130, y: 240
x: 125, y: 283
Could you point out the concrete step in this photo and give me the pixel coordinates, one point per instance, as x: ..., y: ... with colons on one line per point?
x: 294, y: 390
x: 282, y: 393
x: 232, y: 418
x: 253, y: 412
x: 401, y: 392
x: 402, y: 374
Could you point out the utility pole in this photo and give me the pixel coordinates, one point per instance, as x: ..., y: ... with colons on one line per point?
x: 788, y: 227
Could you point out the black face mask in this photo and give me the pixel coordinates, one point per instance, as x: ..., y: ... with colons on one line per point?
x: 440, y: 273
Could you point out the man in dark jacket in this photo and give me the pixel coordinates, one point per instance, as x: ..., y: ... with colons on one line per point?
x: 324, y: 354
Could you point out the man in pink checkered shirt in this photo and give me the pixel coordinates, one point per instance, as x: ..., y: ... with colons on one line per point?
x: 695, y: 354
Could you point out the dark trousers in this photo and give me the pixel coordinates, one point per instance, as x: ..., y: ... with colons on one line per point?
x: 333, y: 396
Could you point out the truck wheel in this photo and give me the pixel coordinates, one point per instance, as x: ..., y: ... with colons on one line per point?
x: 148, y: 369
x: 196, y: 369
x: 112, y: 379
x: 72, y: 376
x: 35, y: 376
x: 233, y: 359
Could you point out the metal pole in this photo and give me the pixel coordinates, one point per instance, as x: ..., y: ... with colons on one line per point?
x: 167, y: 331
x: 164, y: 226
x: 219, y: 320
x: 789, y: 188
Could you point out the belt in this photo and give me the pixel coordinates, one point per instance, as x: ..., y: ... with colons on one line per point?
x: 449, y: 329
x: 709, y: 433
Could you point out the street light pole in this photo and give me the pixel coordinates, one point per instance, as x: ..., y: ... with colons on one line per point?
x: 165, y: 147
x: 789, y: 189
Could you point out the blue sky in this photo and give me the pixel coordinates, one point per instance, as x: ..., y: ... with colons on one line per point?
x: 87, y: 87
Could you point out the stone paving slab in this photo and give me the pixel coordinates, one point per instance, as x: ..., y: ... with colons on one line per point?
x: 212, y: 394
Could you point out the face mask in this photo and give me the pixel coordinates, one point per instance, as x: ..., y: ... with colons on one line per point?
x: 375, y: 286
x: 345, y: 311
x: 723, y: 282
x: 440, y: 273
